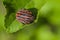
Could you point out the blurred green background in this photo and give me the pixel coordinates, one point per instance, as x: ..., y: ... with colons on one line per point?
x: 46, y: 26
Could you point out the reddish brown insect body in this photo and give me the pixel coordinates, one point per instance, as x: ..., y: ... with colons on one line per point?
x: 25, y: 16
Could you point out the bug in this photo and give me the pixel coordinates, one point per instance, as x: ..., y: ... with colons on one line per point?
x: 25, y: 16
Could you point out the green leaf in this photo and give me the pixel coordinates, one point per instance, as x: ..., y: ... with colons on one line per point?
x: 2, y: 15
x: 25, y: 33
x: 12, y: 7
x: 14, y: 26
x: 37, y: 4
